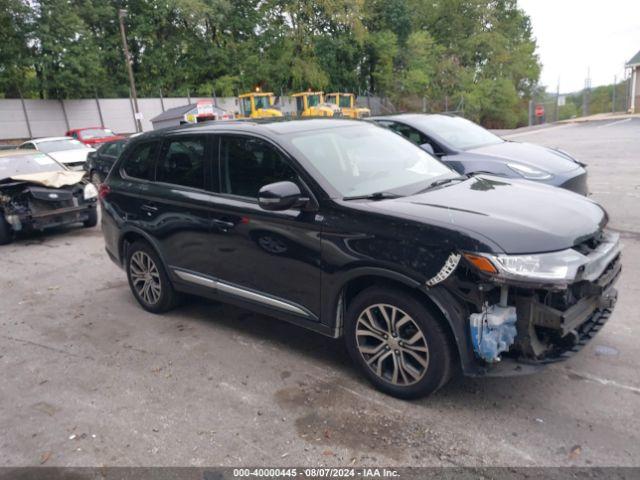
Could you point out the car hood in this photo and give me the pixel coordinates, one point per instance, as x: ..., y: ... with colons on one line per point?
x: 71, y: 156
x: 529, y: 154
x: 516, y: 216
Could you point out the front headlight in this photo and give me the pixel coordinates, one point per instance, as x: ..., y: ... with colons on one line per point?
x: 90, y: 191
x: 556, y: 267
x: 528, y: 172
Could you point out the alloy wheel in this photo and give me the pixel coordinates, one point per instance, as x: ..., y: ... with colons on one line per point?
x: 145, y: 277
x: 392, y: 344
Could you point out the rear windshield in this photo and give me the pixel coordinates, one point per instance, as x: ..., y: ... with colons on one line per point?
x: 60, y: 145
x: 23, y: 164
x: 90, y: 133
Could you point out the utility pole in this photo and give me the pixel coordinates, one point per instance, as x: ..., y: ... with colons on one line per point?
x: 586, y: 94
x: 556, y: 113
x: 127, y: 56
x: 613, y: 100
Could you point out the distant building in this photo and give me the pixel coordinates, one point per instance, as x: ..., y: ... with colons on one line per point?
x: 634, y: 97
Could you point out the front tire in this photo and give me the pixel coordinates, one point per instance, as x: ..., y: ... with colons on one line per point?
x: 397, y: 343
x: 148, y: 279
x: 6, y: 233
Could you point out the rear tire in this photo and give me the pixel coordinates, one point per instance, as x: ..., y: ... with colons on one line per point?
x: 148, y: 279
x: 92, y: 221
x: 398, y: 344
x: 6, y: 233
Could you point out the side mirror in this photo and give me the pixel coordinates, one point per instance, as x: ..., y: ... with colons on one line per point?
x: 428, y: 148
x: 281, y: 196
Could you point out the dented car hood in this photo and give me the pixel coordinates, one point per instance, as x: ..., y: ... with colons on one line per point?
x: 516, y: 215
x: 51, y: 179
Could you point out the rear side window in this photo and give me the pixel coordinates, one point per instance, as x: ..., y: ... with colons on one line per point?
x: 108, y: 149
x: 248, y: 164
x: 118, y: 147
x: 182, y: 162
x: 140, y: 163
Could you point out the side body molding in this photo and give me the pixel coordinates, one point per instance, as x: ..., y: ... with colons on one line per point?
x: 243, y: 293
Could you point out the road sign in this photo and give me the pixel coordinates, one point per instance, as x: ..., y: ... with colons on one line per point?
x: 539, y: 110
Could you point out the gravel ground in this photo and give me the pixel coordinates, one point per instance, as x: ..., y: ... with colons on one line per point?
x: 90, y: 379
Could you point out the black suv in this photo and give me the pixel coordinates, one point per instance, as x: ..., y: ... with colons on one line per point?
x: 99, y: 163
x: 350, y: 230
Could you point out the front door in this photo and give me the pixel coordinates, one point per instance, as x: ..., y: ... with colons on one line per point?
x: 264, y: 256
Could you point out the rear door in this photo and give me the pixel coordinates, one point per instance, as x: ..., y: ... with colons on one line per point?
x: 129, y: 187
x: 176, y: 205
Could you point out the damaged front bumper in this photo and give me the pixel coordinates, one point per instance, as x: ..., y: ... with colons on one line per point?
x: 50, y: 218
x: 517, y: 327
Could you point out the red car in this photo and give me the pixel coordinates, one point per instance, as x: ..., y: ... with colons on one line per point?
x: 94, y: 135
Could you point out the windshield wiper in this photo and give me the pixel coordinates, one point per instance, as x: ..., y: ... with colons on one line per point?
x: 443, y: 181
x: 373, y: 196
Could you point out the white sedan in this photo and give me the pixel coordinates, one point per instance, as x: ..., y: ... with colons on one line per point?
x: 66, y: 150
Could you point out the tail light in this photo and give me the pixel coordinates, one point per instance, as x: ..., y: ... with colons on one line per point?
x: 104, y: 190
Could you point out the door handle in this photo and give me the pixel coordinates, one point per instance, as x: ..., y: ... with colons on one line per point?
x: 222, y: 225
x: 149, y: 207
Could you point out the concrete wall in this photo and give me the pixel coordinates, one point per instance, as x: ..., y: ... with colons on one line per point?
x: 48, y: 118
x: 635, y: 90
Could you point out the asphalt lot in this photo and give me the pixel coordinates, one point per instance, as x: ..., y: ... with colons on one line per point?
x: 90, y: 379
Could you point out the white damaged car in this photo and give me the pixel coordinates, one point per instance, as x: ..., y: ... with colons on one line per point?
x: 70, y: 152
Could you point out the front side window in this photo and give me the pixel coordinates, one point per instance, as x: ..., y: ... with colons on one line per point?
x: 182, y: 162
x: 247, y: 164
x: 246, y: 106
x: 27, y: 146
x: 366, y: 159
x: 262, y: 102
x: 299, y: 104
x: 345, y: 101
x: 140, y: 163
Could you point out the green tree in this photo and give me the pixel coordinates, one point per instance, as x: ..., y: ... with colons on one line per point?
x: 67, y: 60
x: 16, y: 67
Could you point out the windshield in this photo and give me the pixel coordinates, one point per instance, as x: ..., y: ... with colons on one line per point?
x: 262, y: 102
x: 60, y: 145
x: 366, y: 159
x: 96, y: 133
x: 313, y: 100
x: 458, y: 132
x: 22, y: 164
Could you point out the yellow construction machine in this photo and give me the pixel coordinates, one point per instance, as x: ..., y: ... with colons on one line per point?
x: 258, y: 105
x: 312, y: 104
x: 347, y: 104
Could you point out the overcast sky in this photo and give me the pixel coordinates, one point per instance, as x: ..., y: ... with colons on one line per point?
x: 574, y: 35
